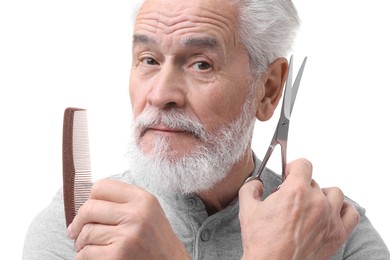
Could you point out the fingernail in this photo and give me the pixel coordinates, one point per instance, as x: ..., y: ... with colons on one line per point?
x: 70, y: 232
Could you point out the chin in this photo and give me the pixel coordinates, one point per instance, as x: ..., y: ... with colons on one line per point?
x: 166, y: 148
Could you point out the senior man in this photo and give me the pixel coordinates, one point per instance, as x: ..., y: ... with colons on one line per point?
x: 203, y: 71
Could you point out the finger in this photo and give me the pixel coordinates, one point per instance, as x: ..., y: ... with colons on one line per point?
x: 335, y: 198
x: 298, y: 171
x: 314, y: 184
x: 94, y: 252
x: 350, y: 217
x: 94, y: 234
x: 250, y: 193
x: 95, y: 211
x: 115, y: 191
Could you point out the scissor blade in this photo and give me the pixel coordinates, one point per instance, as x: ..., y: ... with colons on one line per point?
x: 287, y: 91
x: 296, y: 84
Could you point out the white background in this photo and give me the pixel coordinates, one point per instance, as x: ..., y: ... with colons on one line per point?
x: 55, y: 54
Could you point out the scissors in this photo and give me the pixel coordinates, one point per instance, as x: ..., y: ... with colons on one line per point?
x: 281, y: 132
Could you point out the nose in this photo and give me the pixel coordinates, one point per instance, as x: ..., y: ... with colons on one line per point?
x: 168, y: 90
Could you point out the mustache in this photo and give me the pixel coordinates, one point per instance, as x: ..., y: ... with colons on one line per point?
x: 172, y: 118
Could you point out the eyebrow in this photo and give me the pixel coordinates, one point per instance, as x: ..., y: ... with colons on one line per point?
x: 142, y: 38
x: 206, y: 42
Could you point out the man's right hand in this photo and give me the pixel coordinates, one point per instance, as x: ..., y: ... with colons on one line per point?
x: 299, y: 221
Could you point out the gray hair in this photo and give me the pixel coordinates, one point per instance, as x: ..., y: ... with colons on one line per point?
x: 267, y: 29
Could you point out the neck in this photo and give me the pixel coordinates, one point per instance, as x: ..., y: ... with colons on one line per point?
x: 224, y: 192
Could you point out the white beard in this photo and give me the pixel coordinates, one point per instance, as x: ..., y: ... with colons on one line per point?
x: 207, y: 164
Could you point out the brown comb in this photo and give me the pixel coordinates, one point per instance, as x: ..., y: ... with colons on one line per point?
x: 76, y: 166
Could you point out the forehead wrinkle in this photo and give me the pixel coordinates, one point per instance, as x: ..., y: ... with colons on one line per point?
x: 218, y: 23
x: 225, y: 20
x: 168, y: 20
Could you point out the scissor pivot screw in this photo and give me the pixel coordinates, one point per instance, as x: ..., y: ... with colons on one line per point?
x: 285, y: 123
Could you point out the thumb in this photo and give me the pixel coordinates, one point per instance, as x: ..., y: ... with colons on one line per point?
x: 250, y: 193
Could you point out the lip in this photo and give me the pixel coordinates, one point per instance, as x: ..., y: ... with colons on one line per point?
x: 164, y: 130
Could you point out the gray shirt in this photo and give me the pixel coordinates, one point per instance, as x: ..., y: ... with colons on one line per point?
x: 206, y: 237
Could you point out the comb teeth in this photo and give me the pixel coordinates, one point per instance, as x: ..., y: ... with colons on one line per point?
x: 77, y: 179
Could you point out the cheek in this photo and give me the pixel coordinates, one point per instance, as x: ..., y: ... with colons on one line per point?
x: 131, y: 88
x: 216, y: 110
x: 131, y: 95
x: 231, y: 99
x: 137, y: 97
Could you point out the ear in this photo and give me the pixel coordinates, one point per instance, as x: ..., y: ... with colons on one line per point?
x: 270, y: 88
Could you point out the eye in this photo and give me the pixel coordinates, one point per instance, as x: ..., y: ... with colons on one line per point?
x: 201, y: 65
x: 149, y: 61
